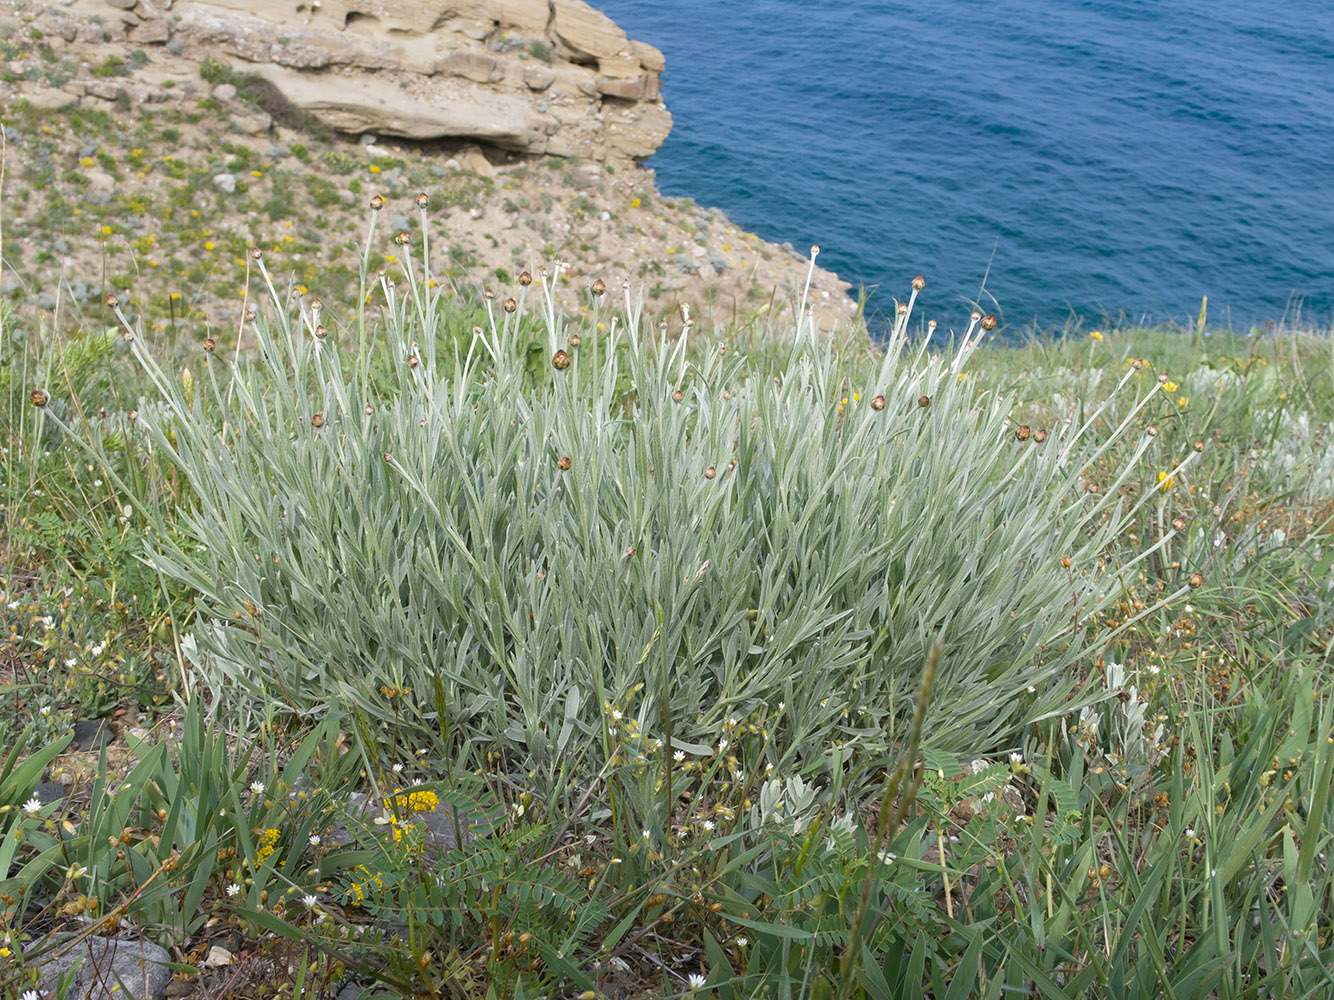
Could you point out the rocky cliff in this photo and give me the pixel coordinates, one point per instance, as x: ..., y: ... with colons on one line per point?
x: 550, y: 77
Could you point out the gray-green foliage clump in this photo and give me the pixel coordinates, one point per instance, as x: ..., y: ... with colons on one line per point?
x: 653, y: 528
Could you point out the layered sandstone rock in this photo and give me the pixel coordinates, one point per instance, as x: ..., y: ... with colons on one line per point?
x: 535, y: 76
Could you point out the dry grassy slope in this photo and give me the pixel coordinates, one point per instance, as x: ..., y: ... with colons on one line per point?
x: 128, y: 171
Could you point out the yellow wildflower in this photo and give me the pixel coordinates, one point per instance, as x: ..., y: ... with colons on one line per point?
x: 1169, y: 387
x: 268, y: 843
x: 1096, y: 335
x: 1182, y: 401
x: 1164, y: 481
x: 419, y: 801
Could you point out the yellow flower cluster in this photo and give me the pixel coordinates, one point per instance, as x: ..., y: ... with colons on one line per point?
x: 268, y: 843
x: 420, y: 802
x: 356, y: 892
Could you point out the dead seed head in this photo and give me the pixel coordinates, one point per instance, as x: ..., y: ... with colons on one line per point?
x: 112, y: 301
x: 564, y: 463
x: 1179, y: 523
x: 1137, y: 364
x: 321, y: 332
x: 599, y: 287
x: 1151, y: 430
x: 209, y: 344
x: 573, y: 340
x: 918, y: 283
x: 38, y: 398
x: 377, y: 203
x: 388, y: 457
x: 316, y: 305
x: 560, y: 361
x: 317, y: 421
x: 1065, y: 562
x: 877, y: 402
x: 511, y: 305
x: 525, y: 278
x: 369, y: 409
x: 423, y: 200
x: 815, y: 250
x: 249, y: 314
x: 930, y: 324
x: 902, y: 309
x: 1023, y: 432
x: 677, y: 396
x: 1039, y: 435
x: 413, y: 361
x: 988, y: 322
x: 710, y: 472
x: 975, y: 316
x: 1162, y: 379
x: 256, y: 253
x: 924, y: 401
x: 631, y: 551
x: 1196, y: 580
x: 1199, y: 446
x: 1091, y: 486
x: 127, y: 336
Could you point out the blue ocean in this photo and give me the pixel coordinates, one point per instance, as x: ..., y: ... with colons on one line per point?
x: 1069, y: 160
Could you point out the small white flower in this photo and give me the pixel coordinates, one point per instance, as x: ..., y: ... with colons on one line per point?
x: 310, y: 900
x: 782, y: 705
x: 233, y: 889
x: 13, y: 605
x: 616, y: 714
x: 70, y: 662
x: 257, y: 787
x: 1190, y: 608
x: 1032, y: 688
x: 76, y: 871
x: 49, y: 622
x: 1154, y: 668
x: 398, y: 768
x: 98, y: 649
x: 646, y: 835
x: 421, y: 752
x: 741, y: 942
x: 679, y: 756
x: 314, y: 840
x: 707, y: 824
x: 31, y: 995
x: 697, y: 981
x: 46, y: 709
x: 1016, y: 758
x: 33, y: 806
x: 722, y: 745
x: 1190, y: 832
x: 97, y: 482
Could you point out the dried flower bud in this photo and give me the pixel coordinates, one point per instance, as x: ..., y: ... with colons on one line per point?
x: 476, y: 331
x: 1039, y: 435
x: 317, y: 421
x: 1137, y: 364
x: 413, y: 361
x: 1151, y: 430
x: 815, y: 250
x: 1023, y: 432
x: 1199, y: 446
x: 564, y: 463
x: 127, y: 336
x: 1065, y: 562
x: 1162, y: 378
x: 403, y: 239
x: 369, y: 409
x: 918, y: 283
x: 924, y: 401
x: 112, y: 301
x: 249, y: 315
x: 256, y: 253
x: 209, y: 344
x: 710, y: 472
x: 525, y: 278
x: 388, y: 457
x: 1196, y: 580
x: 511, y: 305
x: 1091, y: 486
x: 677, y: 396
x: 599, y: 287
x: 975, y: 316
x: 560, y: 361
x: 423, y: 200
x: 1179, y: 523
x: 316, y: 305
x: 988, y: 322
x: 877, y: 402
x: 573, y: 340
x: 38, y: 398
x: 377, y: 203
x: 901, y: 309
x: 631, y: 551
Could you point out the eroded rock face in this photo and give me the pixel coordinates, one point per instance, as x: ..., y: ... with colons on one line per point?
x: 535, y: 76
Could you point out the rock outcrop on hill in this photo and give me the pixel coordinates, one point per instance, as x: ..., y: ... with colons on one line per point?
x: 550, y: 77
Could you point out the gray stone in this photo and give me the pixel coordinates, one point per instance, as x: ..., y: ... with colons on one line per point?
x: 106, y: 90
x: 51, y: 100
x: 122, y: 4
x: 718, y: 262
x: 91, y: 734
x: 225, y: 183
x: 587, y: 177
x: 48, y: 792
x: 399, y: 224
x: 252, y: 122
x: 119, y: 968
x: 224, y: 92
x: 154, y: 32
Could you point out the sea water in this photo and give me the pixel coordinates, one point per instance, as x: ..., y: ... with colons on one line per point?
x: 1050, y: 161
